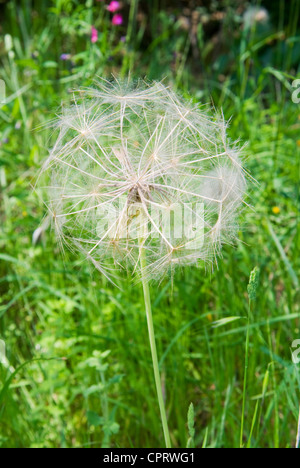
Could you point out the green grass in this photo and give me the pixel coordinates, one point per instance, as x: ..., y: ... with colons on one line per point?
x: 78, y: 371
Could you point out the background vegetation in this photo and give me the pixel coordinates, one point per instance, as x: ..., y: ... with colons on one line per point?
x: 78, y: 369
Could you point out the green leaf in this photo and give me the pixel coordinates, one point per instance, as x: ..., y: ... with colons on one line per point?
x: 94, y: 419
x: 224, y: 321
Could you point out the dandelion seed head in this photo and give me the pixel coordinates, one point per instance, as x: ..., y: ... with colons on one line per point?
x: 137, y: 161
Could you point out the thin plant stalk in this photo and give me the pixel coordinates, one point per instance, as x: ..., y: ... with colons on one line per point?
x: 147, y: 299
x: 245, y: 375
x: 298, y: 433
x: 252, y: 288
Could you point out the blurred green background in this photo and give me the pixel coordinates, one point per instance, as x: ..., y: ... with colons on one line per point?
x: 77, y: 371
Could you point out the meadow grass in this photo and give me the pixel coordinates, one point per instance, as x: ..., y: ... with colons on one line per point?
x: 78, y: 370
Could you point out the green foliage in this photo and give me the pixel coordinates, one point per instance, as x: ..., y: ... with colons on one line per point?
x: 78, y: 368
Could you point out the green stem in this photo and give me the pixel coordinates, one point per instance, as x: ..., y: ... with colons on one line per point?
x: 245, y: 375
x: 153, y: 346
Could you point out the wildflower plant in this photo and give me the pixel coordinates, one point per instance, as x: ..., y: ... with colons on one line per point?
x: 140, y: 178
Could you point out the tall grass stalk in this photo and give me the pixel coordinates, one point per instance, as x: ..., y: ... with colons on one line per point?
x: 298, y: 433
x: 245, y: 375
x: 252, y: 287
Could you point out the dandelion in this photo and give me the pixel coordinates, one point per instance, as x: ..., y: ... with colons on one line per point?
x: 117, y: 19
x: 276, y: 210
x: 139, y: 178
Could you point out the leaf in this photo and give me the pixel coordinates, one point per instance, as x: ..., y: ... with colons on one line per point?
x: 94, y: 419
x: 8, y: 382
x: 114, y: 428
x: 93, y: 389
x: 224, y: 321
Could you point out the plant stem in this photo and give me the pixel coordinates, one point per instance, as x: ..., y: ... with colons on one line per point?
x: 245, y: 375
x: 298, y: 433
x: 153, y: 346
